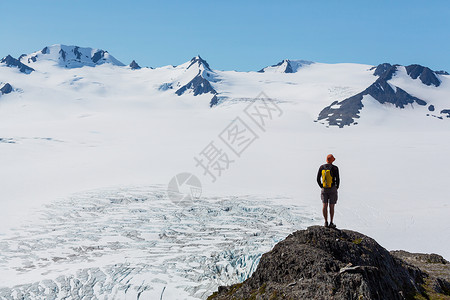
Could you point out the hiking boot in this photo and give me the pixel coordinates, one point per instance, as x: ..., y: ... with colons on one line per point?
x: 326, y: 224
x: 332, y: 225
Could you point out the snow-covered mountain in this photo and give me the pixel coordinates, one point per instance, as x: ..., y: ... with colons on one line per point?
x: 286, y: 66
x: 69, y: 57
x: 385, y: 91
x: 290, y: 80
x: 11, y: 62
x: 89, y: 145
x: 193, y: 77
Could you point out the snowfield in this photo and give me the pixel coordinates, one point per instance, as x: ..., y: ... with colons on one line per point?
x: 87, y: 153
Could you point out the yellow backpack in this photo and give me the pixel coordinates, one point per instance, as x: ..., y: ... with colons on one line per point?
x: 327, y: 179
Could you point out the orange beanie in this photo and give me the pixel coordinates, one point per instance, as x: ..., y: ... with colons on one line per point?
x: 330, y: 158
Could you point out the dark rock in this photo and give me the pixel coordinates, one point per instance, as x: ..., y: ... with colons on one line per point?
x: 12, y: 62
x: 199, y: 61
x: 165, y: 86
x: 436, y: 267
x: 98, y: 55
x: 441, y: 72
x: 62, y: 54
x: 77, y: 52
x: 43, y: 51
x: 446, y: 111
x: 431, y: 108
x: 324, y: 263
x: 384, y: 93
x: 134, y: 65
x: 385, y: 71
x: 348, y: 110
x: 426, y: 75
x: 381, y: 69
x: 198, y: 84
x: 214, y: 101
x: 288, y: 67
x: 6, y: 89
x: 291, y: 65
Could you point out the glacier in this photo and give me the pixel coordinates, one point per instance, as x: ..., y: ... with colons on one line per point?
x: 133, y: 242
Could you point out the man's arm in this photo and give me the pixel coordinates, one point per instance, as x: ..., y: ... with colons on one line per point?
x: 338, y: 180
x: 319, y: 177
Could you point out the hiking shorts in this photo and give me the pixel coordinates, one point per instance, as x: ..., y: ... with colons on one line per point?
x: 329, y: 195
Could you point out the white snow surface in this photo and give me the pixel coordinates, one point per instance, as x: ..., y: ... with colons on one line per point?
x: 86, y: 154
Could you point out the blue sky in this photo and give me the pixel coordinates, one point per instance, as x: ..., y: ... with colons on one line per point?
x: 236, y: 35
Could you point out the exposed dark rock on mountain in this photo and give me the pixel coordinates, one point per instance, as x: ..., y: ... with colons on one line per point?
x: 12, y: 62
x: 200, y: 62
x: 5, y: 89
x: 436, y: 267
x: 45, y: 50
x: 324, y: 263
x: 214, y: 101
x: 71, y: 56
x: 446, y: 112
x: 97, y: 55
x: 441, y: 72
x: 199, y: 85
x: 426, y: 75
x: 288, y: 66
x: 346, y: 111
x: 383, y: 92
x: 431, y: 108
x: 385, y: 71
x: 134, y: 65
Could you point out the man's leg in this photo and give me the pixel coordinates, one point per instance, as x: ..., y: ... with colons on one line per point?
x: 331, y: 212
x: 325, y: 212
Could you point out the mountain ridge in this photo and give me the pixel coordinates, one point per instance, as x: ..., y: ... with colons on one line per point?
x: 196, y: 77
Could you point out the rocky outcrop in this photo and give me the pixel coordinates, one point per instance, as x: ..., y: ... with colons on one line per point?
x: 134, y: 65
x: 426, y: 75
x: 436, y: 267
x: 200, y: 84
x: 342, y: 113
x: 11, y: 62
x: 5, y: 89
x: 324, y: 263
x: 71, y: 56
x: 446, y: 112
x: 286, y: 66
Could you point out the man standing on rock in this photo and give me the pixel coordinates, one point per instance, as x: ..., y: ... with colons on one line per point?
x: 328, y: 180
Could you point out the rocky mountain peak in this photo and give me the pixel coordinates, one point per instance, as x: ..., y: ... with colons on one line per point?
x: 200, y: 62
x: 5, y: 88
x: 71, y: 56
x: 11, y: 62
x: 134, y: 65
x: 425, y: 74
x: 286, y: 66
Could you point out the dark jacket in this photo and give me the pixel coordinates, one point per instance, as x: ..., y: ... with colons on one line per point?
x: 334, y: 170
